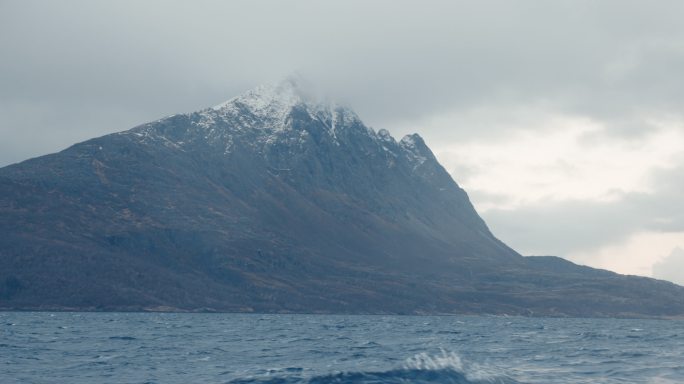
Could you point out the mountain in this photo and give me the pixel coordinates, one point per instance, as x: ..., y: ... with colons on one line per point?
x: 276, y: 201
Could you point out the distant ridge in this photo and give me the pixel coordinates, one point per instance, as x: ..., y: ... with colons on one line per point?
x: 276, y: 201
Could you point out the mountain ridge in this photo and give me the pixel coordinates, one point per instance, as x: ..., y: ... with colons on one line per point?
x: 275, y: 201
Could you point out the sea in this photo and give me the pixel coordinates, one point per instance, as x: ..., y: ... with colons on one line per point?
x: 74, y: 347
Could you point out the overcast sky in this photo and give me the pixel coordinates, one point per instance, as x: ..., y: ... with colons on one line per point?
x: 564, y: 120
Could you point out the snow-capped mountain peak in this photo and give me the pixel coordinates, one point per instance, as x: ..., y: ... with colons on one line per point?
x: 268, y: 106
x: 273, y: 100
x: 291, y: 111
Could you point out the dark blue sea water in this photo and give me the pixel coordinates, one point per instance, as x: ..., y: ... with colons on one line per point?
x: 234, y: 348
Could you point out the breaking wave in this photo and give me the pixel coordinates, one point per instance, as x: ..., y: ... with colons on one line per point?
x: 444, y: 368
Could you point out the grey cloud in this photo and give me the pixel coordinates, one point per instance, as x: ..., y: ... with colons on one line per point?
x: 671, y: 267
x: 394, y: 61
x: 485, y: 197
x: 30, y: 129
x: 463, y: 172
x: 559, y: 228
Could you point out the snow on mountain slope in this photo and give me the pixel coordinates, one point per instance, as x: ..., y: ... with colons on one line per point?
x: 264, y: 113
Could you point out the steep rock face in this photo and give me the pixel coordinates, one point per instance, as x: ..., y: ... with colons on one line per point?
x: 274, y: 201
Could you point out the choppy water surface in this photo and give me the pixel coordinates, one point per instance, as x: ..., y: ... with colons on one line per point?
x: 232, y: 348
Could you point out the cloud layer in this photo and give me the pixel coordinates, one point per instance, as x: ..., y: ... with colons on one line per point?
x: 397, y: 62
x: 670, y: 267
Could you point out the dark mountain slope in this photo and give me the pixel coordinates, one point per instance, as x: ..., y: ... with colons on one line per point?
x: 275, y: 202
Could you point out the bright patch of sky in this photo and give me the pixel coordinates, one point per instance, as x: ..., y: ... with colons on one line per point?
x: 541, y: 165
x: 635, y: 256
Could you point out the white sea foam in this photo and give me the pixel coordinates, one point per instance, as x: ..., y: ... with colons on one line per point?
x: 447, y: 360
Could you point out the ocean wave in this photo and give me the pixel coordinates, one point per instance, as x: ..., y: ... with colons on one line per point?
x: 423, y: 368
